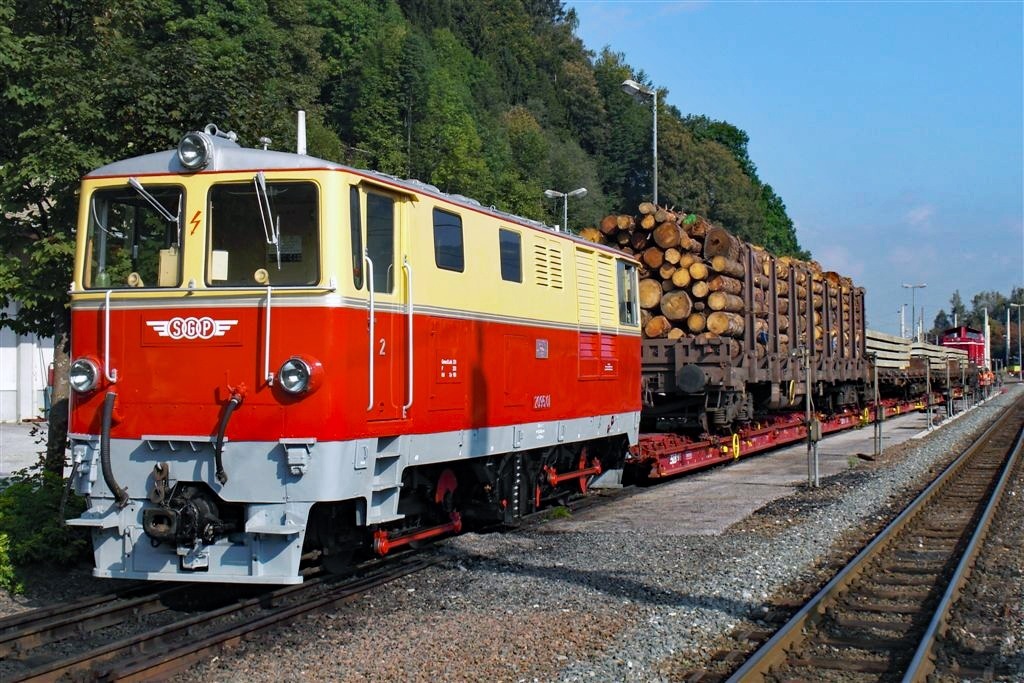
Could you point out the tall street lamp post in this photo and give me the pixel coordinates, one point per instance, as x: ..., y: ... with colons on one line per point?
x: 1020, y: 361
x: 642, y: 94
x: 552, y: 194
x: 913, y: 311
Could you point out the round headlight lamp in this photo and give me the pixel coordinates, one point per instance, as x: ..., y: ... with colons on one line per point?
x: 83, y: 375
x: 195, y: 150
x: 297, y: 375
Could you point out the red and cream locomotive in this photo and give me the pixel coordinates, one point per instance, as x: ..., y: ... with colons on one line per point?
x: 276, y: 357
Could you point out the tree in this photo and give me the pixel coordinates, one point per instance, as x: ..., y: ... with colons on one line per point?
x: 957, y: 310
x: 89, y: 82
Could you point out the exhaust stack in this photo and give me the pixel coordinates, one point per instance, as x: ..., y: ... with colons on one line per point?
x: 300, y: 141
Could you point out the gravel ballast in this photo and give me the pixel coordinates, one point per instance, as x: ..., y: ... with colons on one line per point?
x: 543, y: 604
x: 551, y: 602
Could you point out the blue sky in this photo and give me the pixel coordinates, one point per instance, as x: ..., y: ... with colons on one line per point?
x: 894, y: 132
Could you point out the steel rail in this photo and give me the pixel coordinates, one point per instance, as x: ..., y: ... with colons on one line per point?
x: 146, y: 656
x: 923, y: 663
x: 22, y: 620
x: 148, y: 667
x: 776, y: 650
x: 38, y: 630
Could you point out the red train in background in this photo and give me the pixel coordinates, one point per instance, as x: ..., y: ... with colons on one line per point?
x: 967, y: 339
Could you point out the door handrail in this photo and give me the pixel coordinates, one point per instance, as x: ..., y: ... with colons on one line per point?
x: 409, y: 308
x: 373, y: 334
x: 108, y: 372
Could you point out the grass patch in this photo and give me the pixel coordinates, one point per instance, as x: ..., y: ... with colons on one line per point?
x: 560, y: 512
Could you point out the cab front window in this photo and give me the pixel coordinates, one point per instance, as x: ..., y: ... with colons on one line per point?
x: 134, y: 237
x: 263, y: 233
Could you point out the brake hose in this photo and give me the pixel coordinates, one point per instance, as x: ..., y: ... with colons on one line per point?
x: 218, y: 449
x: 120, y: 495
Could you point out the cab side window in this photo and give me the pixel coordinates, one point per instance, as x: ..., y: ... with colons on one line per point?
x: 449, y: 253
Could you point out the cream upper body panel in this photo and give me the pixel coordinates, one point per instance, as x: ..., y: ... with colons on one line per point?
x: 559, y: 279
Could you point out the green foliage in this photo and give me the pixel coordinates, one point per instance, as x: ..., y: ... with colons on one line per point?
x: 560, y: 512
x: 494, y: 99
x: 31, y: 531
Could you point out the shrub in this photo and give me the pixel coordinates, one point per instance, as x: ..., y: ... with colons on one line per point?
x: 31, y: 529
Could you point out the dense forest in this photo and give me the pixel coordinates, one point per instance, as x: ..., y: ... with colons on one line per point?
x: 494, y: 99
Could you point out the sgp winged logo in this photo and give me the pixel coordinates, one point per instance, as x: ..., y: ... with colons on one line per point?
x: 191, y: 327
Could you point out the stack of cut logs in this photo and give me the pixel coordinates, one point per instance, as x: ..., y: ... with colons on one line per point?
x: 692, y: 279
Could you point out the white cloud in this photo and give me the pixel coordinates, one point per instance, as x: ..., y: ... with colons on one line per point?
x: 920, y: 216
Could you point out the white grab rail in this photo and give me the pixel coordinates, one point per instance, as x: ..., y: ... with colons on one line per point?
x: 373, y: 334
x: 409, y: 308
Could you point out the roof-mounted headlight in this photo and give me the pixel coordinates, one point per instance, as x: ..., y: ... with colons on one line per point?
x: 83, y: 375
x: 195, y: 150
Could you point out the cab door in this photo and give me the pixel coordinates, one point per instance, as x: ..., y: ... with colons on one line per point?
x: 388, y: 288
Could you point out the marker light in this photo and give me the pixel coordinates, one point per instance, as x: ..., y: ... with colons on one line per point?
x: 83, y: 375
x: 194, y: 151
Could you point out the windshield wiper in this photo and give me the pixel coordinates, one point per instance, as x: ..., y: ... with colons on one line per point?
x: 270, y: 231
x: 160, y: 208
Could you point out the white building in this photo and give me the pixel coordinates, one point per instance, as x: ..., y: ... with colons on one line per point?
x: 24, y: 367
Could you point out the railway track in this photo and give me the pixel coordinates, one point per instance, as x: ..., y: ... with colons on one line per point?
x: 881, y: 617
x: 36, y: 648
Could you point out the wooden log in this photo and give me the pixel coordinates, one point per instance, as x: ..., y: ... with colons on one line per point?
x: 722, y: 283
x: 622, y: 237
x: 675, y: 305
x: 592, y: 235
x: 699, y: 289
x: 681, y: 278
x: 721, y: 264
x: 647, y: 222
x: 689, y: 244
x: 699, y: 306
x: 645, y: 317
x: 667, y: 285
x: 697, y: 228
x: 722, y: 301
x: 639, y: 240
x: 696, y: 323
x: 719, y: 242
x: 647, y: 208
x: 781, y: 287
x: 687, y: 260
x: 624, y: 222
x: 609, y: 225
x: 650, y: 293
x: 663, y: 214
x: 698, y: 271
x: 666, y: 271
x: 657, y: 326
x: 667, y: 235
x: 672, y: 255
x: 726, y: 324
x: 782, y: 322
x: 653, y: 257
x: 675, y: 333
x: 627, y: 250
